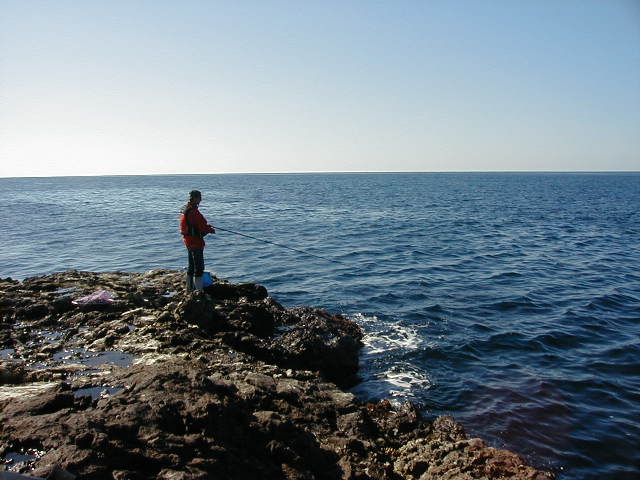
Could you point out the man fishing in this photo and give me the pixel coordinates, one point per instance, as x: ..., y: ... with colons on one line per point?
x: 193, y: 227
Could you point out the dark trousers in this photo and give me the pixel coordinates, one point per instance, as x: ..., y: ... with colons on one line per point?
x: 196, y: 262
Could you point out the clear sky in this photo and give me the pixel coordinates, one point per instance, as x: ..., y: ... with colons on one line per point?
x: 147, y: 87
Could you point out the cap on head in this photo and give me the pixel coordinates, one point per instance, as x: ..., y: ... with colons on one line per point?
x: 195, y: 194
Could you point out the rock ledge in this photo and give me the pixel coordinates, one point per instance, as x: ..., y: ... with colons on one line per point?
x: 222, y: 384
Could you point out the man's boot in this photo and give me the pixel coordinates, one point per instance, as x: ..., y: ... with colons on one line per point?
x: 189, y: 283
x: 197, y: 283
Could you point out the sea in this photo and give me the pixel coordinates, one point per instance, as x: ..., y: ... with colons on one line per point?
x: 508, y: 300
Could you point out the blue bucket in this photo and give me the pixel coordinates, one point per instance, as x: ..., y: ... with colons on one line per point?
x: 207, y: 279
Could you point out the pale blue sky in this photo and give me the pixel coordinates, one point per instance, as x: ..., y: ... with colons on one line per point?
x: 145, y: 87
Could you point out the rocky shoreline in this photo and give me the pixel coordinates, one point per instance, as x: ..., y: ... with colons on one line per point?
x: 222, y: 384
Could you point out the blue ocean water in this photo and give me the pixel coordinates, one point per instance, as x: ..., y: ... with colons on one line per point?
x: 509, y: 300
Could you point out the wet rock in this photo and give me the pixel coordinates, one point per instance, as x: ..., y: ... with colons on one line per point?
x: 12, y: 373
x: 402, y: 423
x: 225, y: 383
x: 30, y: 312
x: 342, y: 400
x: 51, y: 401
x: 62, y: 305
x: 446, y: 453
x: 198, y: 309
x: 356, y: 424
x: 323, y: 342
x: 254, y: 318
x: 221, y: 290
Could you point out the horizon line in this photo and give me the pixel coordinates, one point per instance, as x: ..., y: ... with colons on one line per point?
x: 328, y: 172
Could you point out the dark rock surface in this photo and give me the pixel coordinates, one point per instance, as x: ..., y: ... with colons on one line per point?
x: 222, y: 384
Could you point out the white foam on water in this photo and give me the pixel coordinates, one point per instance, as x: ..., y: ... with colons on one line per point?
x: 400, y: 380
x: 380, y: 337
x: 407, y: 380
x: 400, y: 383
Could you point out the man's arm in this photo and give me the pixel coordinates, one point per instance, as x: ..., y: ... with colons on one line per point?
x: 201, y: 223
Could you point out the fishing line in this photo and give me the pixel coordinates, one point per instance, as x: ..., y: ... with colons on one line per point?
x: 282, y: 246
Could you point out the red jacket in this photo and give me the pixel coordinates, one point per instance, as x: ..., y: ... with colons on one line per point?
x: 193, y: 226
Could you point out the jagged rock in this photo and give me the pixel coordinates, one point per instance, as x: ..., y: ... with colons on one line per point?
x: 225, y: 383
x: 323, y: 342
x: 198, y: 309
x: 255, y: 318
x: 221, y: 290
x: 12, y: 373
x: 446, y: 453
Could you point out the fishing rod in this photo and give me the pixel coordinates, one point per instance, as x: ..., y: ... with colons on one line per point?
x: 280, y: 245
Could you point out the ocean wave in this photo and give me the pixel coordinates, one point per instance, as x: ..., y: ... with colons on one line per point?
x: 560, y: 340
x: 500, y: 342
x: 614, y: 302
x: 400, y: 383
x: 523, y: 304
x: 386, y: 336
x: 504, y: 276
